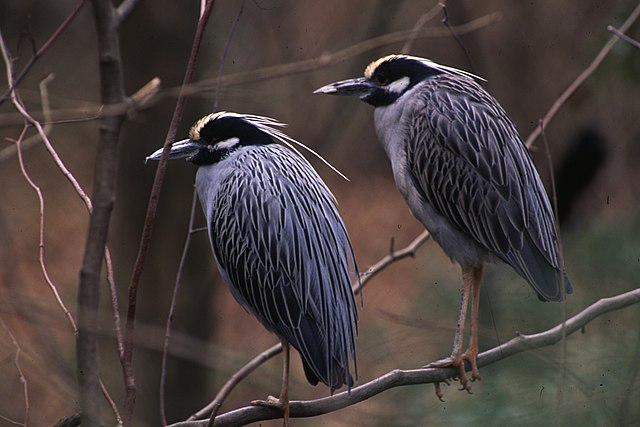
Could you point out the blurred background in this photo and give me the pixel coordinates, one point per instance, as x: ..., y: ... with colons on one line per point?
x: 529, y: 52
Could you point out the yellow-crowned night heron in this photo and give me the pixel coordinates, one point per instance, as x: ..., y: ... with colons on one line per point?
x: 278, y: 241
x: 466, y: 175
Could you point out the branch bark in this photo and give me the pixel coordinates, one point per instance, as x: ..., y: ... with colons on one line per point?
x: 400, y: 378
x: 104, y: 189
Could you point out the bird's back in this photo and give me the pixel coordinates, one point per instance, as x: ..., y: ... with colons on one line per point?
x: 478, y: 184
x: 284, y: 252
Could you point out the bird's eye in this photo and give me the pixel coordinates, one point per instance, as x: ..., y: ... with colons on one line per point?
x: 382, y: 80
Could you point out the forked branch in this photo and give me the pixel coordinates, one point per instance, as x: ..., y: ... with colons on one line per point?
x: 400, y: 377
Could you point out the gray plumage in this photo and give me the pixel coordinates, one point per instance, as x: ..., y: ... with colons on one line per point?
x: 467, y: 176
x: 278, y: 239
x: 462, y: 167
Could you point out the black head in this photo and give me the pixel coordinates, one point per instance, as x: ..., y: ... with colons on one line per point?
x: 388, y: 78
x: 215, y: 136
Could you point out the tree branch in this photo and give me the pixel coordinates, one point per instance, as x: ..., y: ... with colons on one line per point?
x: 127, y: 365
x: 399, y: 377
x: 623, y: 36
x: 104, y: 189
x: 56, y: 34
x: 582, y: 77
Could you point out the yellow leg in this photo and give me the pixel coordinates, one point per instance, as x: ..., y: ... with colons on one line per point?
x: 456, y: 359
x: 472, y: 351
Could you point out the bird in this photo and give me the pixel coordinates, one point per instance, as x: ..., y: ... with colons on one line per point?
x: 464, y: 171
x: 278, y: 240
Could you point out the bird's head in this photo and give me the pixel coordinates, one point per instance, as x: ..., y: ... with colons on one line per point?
x: 388, y: 78
x: 216, y: 135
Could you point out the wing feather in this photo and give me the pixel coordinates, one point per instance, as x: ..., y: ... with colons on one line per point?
x: 295, y: 267
x: 468, y: 161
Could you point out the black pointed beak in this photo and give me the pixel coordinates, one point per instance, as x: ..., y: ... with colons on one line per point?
x: 179, y: 150
x: 353, y: 87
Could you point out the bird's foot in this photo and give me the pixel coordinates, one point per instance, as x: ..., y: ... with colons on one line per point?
x: 472, y: 357
x: 439, y: 393
x: 276, y: 403
x: 456, y: 362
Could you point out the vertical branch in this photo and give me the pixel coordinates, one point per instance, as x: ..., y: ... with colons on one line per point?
x: 104, y: 186
x: 127, y: 363
x: 174, y: 298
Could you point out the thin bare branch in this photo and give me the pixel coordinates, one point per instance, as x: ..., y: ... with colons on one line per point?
x: 421, y: 22
x: 273, y: 72
x: 23, y: 379
x: 112, y: 404
x: 124, y: 10
x: 43, y: 266
x: 331, y: 58
x: 130, y: 387
x: 623, y: 36
x: 393, y: 256
x: 174, y: 297
x: 33, y: 140
x: 213, y: 407
x: 563, y: 304
x: 223, y: 57
x: 582, y: 77
x: 399, y: 377
x: 456, y: 37
x: 56, y: 34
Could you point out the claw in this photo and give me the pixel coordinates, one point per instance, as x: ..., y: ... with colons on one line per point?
x: 455, y: 363
x: 472, y: 358
x: 439, y: 393
x: 274, y: 402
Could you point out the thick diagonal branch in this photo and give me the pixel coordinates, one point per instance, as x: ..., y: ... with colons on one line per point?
x: 400, y: 377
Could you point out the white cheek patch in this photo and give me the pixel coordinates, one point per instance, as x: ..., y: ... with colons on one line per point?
x: 400, y: 85
x: 226, y: 144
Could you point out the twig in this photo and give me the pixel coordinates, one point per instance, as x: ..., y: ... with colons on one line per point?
x: 147, y: 229
x: 42, y: 134
x: 456, y: 37
x: 563, y: 305
x: 124, y: 10
x: 11, y: 150
x: 174, y: 297
x: 332, y: 58
x: 623, y: 36
x: 236, y: 378
x: 65, y: 24
x: 224, y: 55
x: 406, y: 48
x: 582, y: 77
x: 273, y: 72
x: 213, y: 408
x: 408, y: 251
x: 43, y: 266
x: 399, y: 377
x: 23, y: 379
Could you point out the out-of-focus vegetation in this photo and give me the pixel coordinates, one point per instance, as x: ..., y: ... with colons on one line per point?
x: 528, y: 56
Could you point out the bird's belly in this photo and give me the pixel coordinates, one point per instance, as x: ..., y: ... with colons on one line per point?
x: 457, y: 245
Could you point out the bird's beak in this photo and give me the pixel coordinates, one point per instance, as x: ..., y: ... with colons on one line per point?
x: 360, y: 87
x: 179, y: 150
